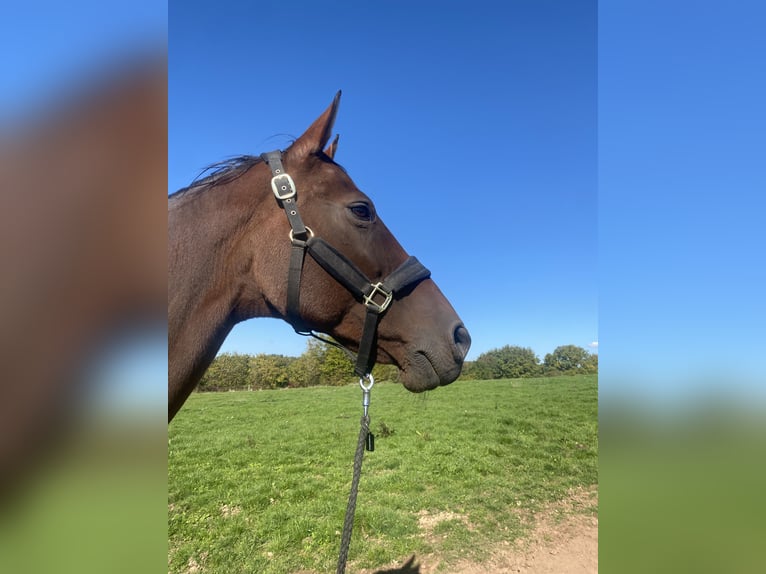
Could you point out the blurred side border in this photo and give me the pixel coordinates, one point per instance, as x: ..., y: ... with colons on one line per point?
x: 681, y: 308
x: 83, y: 185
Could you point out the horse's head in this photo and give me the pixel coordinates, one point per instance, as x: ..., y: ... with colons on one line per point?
x: 419, y: 332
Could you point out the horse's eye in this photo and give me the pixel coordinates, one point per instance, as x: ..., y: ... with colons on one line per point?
x: 361, y: 211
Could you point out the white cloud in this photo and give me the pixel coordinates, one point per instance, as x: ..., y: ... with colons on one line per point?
x: 593, y: 345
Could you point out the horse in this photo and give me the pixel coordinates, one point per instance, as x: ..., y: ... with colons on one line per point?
x: 231, y: 249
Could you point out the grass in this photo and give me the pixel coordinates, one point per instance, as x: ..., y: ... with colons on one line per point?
x: 258, y: 481
x: 687, y: 484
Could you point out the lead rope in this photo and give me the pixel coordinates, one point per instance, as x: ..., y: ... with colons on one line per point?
x: 366, y: 440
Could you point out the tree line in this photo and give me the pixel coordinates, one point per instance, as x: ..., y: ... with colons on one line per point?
x: 320, y: 364
x: 512, y: 362
x: 323, y: 364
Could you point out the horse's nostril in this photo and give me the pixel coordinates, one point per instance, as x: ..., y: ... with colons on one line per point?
x: 462, y: 340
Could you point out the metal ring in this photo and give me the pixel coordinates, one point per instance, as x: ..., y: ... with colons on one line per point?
x: 308, y: 229
x: 369, y: 378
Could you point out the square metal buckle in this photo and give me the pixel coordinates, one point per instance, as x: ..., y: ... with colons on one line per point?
x: 283, y: 186
x: 378, y: 289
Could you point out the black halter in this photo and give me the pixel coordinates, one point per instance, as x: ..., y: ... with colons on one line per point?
x: 375, y: 296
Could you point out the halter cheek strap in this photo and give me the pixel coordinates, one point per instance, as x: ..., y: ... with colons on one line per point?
x: 376, y: 297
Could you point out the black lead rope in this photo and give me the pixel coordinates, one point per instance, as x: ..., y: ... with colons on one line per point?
x: 348, y: 522
x: 376, y: 297
x: 366, y: 441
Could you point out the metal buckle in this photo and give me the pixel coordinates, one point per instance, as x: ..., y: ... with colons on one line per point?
x: 378, y: 288
x: 309, y: 235
x: 283, y: 186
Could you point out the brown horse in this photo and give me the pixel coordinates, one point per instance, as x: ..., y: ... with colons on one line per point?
x: 229, y: 254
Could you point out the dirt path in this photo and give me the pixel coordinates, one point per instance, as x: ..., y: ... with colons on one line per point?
x: 567, y: 545
x: 564, y: 541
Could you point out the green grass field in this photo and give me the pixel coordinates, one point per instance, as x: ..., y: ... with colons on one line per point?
x: 258, y: 481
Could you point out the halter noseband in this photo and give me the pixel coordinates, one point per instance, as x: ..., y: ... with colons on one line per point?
x: 376, y: 297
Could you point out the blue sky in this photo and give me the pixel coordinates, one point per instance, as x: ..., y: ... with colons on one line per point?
x: 471, y: 126
x: 682, y: 177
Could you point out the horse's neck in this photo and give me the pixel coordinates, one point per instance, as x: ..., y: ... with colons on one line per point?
x: 203, y: 236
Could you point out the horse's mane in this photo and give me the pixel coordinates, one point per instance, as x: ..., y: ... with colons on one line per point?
x: 225, y: 171
x: 220, y: 173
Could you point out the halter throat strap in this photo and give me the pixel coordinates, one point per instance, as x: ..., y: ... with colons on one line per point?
x: 376, y: 297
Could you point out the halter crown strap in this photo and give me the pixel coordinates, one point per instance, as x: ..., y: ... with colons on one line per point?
x: 284, y: 190
x: 376, y: 296
x: 287, y: 196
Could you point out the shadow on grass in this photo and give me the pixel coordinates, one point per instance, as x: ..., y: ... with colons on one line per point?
x: 409, y: 567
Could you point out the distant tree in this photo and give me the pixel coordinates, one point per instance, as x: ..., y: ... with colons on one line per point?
x: 468, y: 371
x: 228, y: 371
x: 304, y: 370
x: 321, y: 364
x: 508, y: 362
x: 269, y: 371
x: 336, y: 368
x: 569, y: 359
x: 386, y: 373
x: 485, y: 367
x: 590, y: 365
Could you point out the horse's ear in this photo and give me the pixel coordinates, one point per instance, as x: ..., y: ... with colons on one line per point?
x: 332, y: 148
x: 316, y: 137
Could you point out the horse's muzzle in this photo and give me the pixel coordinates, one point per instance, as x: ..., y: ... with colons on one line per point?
x: 430, y: 366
